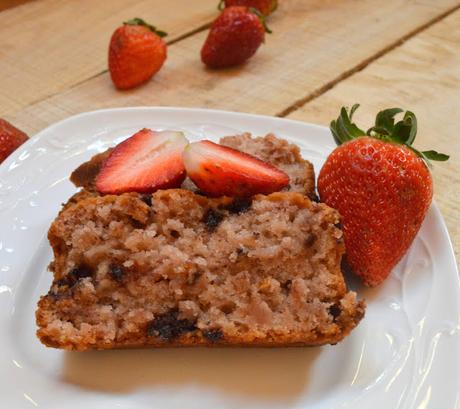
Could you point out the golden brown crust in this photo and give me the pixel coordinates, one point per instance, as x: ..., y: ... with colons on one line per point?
x: 197, y: 338
x: 271, y: 339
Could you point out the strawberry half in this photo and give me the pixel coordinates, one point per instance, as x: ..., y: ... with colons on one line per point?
x: 144, y: 163
x: 221, y: 171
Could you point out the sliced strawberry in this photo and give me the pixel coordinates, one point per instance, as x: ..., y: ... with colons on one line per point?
x: 221, y: 171
x: 145, y: 162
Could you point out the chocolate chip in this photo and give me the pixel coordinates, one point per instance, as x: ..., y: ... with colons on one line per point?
x: 192, y: 279
x: 313, y: 197
x: 212, y: 218
x: 241, y: 250
x: 213, y: 335
x: 228, y: 307
x: 239, y: 205
x: 62, y: 282
x: 147, y: 199
x: 117, y: 272
x: 310, y: 239
x: 80, y: 272
x: 286, y: 286
x: 58, y: 288
x: 339, y: 225
x: 335, y: 310
x: 168, y: 326
x: 136, y: 223
x: 72, y: 278
x: 174, y: 233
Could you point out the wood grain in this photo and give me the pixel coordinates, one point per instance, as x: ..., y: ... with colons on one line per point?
x: 422, y: 75
x: 48, y: 46
x: 313, y: 43
x: 8, y: 4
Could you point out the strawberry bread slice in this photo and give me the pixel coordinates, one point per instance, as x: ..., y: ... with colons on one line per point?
x: 179, y: 269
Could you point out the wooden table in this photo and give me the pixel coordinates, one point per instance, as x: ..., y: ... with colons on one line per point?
x: 323, y: 54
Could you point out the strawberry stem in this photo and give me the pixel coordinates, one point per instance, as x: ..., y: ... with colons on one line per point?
x: 140, y: 22
x: 385, y: 129
x: 261, y: 18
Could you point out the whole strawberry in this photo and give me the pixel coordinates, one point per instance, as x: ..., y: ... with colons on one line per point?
x: 136, y: 53
x: 266, y: 7
x: 234, y: 37
x: 381, y: 186
x: 10, y: 139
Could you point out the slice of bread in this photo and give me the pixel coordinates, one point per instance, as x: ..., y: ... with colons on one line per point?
x: 179, y: 269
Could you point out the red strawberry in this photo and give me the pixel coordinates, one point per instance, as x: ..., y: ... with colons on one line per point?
x: 145, y: 162
x: 10, y: 139
x: 234, y: 37
x: 266, y: 7
x: 136, y: 53
x: 382, y: 188
x: 221, y: 171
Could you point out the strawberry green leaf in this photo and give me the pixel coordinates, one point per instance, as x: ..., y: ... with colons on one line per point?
x: 378, y: 132
x: 140, y: 22
x: 349, y: 126
x: 335, y: 133
x: 384, y: 124
x: 385, y: 128
x: 433, y: 155
x: 221, y: 5
x: 405, y: 131
x: 353, y: 109
x: 385, y: 119
x: 429, y: 155
x: 343, y: 129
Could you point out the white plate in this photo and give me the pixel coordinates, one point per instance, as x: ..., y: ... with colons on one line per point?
x: 404, y: 354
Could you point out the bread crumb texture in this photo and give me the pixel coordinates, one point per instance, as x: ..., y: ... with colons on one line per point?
x: 176, y: 268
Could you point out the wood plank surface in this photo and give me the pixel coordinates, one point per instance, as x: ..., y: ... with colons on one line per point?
x: 314, y: 42
x: 47, y: 46
x: 422, y: 75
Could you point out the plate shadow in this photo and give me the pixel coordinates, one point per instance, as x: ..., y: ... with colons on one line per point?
x: 259, y: 373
